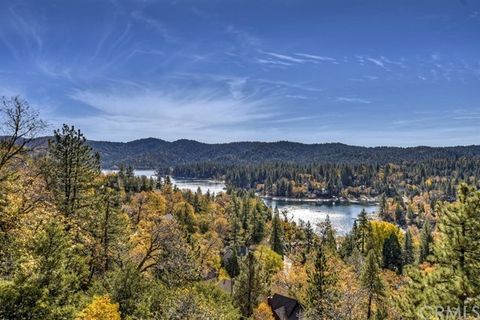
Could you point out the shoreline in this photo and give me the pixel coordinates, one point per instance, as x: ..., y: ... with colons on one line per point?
x: 333, y: 200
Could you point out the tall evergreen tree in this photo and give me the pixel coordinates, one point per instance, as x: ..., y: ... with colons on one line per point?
x: 249, y: 285
x: 108, y: 229
x: 276, y: 239
x: 309, y: 238
x: 457, y: 251
x: 408, y: 250
x: 258, y: 223
x: 235, y: 230
x: 52, y: 288
x: 322, y: 292
x: 392, y: 254
x: 371, y: 282
x: 426, y: 241
x: 232, y: 266
x: 400, y: 217
x: 363, y: 231
x: 328, y: 235
x: 74, y: 167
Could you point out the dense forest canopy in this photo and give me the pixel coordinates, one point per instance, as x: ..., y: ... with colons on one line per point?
x: 153, y: 153
x: 326, y: 180
x: 79, y: 244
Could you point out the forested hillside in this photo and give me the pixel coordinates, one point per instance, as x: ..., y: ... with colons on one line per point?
x: 78, y: 244
x: 154, y: 153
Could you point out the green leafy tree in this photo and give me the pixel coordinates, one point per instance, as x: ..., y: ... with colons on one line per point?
x: 127, y: 286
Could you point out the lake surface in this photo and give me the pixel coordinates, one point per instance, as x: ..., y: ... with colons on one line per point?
x: 185, y: 184
x: 341, y: 215
x: 193, y: 184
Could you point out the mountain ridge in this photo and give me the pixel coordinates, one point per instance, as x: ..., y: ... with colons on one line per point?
x: 152, y: 153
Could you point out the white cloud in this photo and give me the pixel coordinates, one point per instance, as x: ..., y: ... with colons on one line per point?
x: 236, y: 87
x: 296, y: 96
x: 315, y: 57
x: 274, y: 62
x: 168, y: 115
x: 244, y: 38
x: 353, y: 100
x: 376, y: 61
x: 154, y: 24
x: 285, y: 57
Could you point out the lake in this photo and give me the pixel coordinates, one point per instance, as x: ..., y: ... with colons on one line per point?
x: 341, y: 215
x: 191, y: 184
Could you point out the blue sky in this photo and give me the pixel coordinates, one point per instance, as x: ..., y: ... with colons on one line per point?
x: 359, y: 72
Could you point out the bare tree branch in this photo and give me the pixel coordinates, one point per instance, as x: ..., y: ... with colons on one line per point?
x: 20, y: 125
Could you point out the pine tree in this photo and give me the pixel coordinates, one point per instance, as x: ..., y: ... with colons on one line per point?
x: 322, y: 293
x: 235, y: 230
x: 328, y: 235
x: 400, y: 215
x: 371, y: 282
x: 232, y: 266
x: 383, y: 207
x: 249, y: 285
x: 52, y: 287
x: 408, y: 251
x: 457, y: 251
x: 363, y: 231
x: 74, y: 167
x: 258, y: 224
x: 276, y: 239
x: 309, y: 237
x: 426, y: 240
x: 392, y: 254
x: 108, y: 228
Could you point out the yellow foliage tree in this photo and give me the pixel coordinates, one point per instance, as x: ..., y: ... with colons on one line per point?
x: 263, y: 312
x: 381, y: 230
x: 101, y: 308
x: 271, y: 261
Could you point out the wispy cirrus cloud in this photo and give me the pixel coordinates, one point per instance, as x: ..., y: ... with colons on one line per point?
x: 274, y: 62
x: 155, y: 24
x: 316, y: 57
x: 352, y: 100
x: 244, y: 38
x: 171, y: 114
x: 285, y: 57
x: 377, y: 62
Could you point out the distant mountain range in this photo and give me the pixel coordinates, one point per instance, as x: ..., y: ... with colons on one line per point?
x: 153, y: 153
